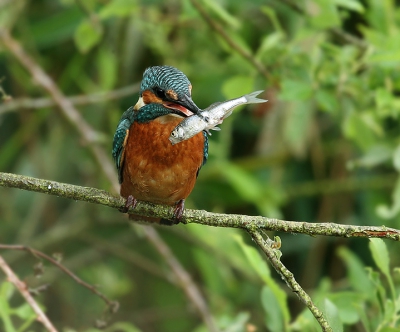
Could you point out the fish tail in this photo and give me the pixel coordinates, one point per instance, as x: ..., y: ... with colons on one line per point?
x: 251, y: 98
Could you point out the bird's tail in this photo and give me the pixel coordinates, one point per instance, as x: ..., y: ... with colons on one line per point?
x: 251, y: 98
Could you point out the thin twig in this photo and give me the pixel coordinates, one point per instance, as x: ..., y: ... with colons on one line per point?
x: 93, y: 98
x: 102, y: 197
x: 113, y: 305
x: 234, y: 45
x: 288, y: 277
x: 21, y: 286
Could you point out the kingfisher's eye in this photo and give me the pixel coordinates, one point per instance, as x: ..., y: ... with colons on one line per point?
x: 160, y: 93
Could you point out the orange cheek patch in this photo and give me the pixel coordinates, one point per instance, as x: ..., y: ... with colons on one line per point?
x: 149, y: 97
x: 172, y: 94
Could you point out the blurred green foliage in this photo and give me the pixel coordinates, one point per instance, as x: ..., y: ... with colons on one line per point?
x: 325, y: 148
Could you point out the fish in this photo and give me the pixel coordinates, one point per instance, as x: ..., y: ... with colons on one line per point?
x: 211, y: 117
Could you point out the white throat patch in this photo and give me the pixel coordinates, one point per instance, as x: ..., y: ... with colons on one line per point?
x: 139, y: 104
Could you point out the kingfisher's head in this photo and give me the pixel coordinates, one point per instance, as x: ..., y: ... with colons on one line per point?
x: 168, y: 87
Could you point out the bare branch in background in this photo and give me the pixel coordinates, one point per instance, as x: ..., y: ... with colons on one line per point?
x: 113, y: 305
x: 21, y: 286
x: 93, y: 98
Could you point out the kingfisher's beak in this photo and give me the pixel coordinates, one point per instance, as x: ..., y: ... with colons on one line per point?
x: 188, y: 103
x: 183, y: 105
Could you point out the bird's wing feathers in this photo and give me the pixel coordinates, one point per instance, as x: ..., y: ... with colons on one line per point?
x: 120, y: 137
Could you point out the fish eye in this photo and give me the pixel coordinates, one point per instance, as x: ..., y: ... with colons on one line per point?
x: 160, y: 93
x: 174, y: 133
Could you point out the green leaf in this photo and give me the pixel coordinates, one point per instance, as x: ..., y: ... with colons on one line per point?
x: 327, y: 100
x: 107, y: 67
x: 389, y: 311
x: 358, y: 275
x: 6, y: 291
x: 119, y: 8
x: 353, y: 5
x: 294, y: 90
x: 257, y: 263
x: 332, y: 316
x: 380, y: 255
x: 273, y: 314
x: 358, y: 127
x: 396, y: 158
x: 238, y: 86
x: 379, y: 15
x: 87, y: 35
x: 223, y: 14
x: 298, y: 119
x: 376, y: 155
x: 24, y: 312
x: 389, y: 329
x: 244, y: 183
x: 229, y: 323
x: 324, y: 13
x: 262, y: 269
x: 389, y: 212
x: 348, y: 305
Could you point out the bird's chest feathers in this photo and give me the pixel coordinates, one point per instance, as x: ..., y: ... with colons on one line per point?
x: 150, y: 142
x: 158, y: 170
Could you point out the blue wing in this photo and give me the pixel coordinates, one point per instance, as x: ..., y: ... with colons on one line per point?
x: 205, y: 152
x: 205, y: 149
x: 120, y: 136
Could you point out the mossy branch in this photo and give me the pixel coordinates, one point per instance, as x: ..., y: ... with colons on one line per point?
x: 98, y: 196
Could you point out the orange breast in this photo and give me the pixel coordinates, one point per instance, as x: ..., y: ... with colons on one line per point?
x: 154, y: 169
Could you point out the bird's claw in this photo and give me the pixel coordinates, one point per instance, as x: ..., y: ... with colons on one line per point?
x: 131, y: 202
x: 178, y: 212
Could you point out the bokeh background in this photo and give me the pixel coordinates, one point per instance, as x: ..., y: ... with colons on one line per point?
x: 325, y: 148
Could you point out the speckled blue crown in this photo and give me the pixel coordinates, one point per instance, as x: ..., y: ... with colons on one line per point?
x: 165, y: 77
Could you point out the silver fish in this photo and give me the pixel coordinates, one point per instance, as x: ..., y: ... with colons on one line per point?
x: 210, y: 117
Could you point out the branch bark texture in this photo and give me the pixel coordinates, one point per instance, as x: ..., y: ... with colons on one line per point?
x: 102, y: 197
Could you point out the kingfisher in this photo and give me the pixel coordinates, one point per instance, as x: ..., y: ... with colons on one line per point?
x: 149, y: 167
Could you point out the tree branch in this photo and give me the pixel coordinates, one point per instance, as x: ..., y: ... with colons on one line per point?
x: 21, y: 286
x: 102, y: 197
x: 234, y: 45
x: 113, y: 305
x: 94, y: 98
x: 287, y: 276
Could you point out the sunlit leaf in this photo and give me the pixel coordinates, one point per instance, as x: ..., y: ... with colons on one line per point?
x: 87, y: 35
x: 263, y: 271
x: 332, y: 316
x: 324, y: 13
x: 356, y: 271
x: 273, y: 314
x: 118, y: 8
x: 380, y: 254
x: 238, y: 86
x: 354, y: 5
x: 294, y: 90
x: 390, y: 211
x: 396, y: 158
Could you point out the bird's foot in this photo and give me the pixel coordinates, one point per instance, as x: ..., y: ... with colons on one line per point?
x: 178, y: 212
x: 131, y: 202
